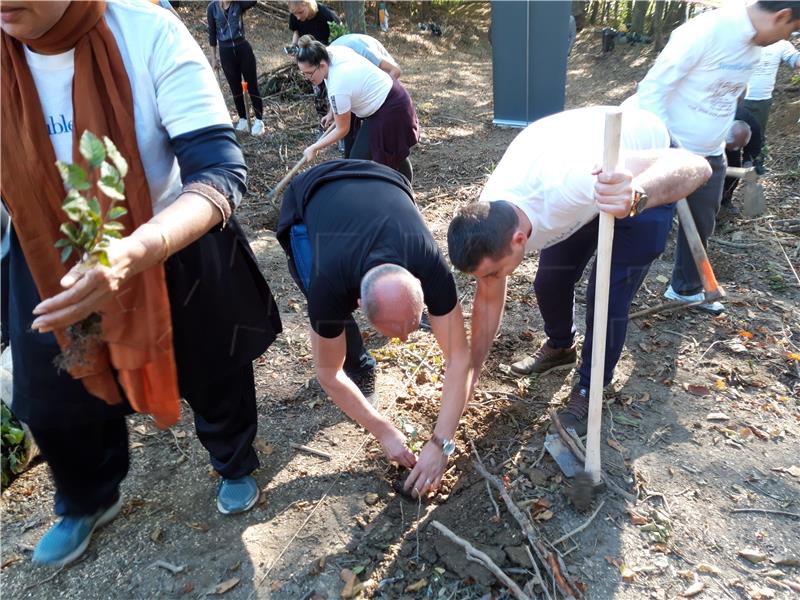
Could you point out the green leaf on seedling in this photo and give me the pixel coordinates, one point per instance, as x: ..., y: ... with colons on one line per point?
x: 94, y: 209
x: 73, y: 175
x: 61, y: 243
x: 116, y: 157
x: 69, y: 230
x: 111, y: 190
x: 357, y: 570
x: 75, y: 208
x: 102, y: 258
x: 113, y: 226
x: 66, y: 253
x: 92, y: 149
x: 116, y: 212
x: 113, y: 234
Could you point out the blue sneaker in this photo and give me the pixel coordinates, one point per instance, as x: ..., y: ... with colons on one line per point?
x: 237, y: 495
x: 68, y: 539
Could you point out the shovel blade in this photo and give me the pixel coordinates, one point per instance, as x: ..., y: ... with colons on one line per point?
x: 561, y: 453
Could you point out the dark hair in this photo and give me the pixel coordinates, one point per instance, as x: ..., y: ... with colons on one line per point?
x: 311, y: 51
x: 778, y: 5
x: 481, y: 230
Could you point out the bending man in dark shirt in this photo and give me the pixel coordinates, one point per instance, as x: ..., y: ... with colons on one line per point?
x: 355, y: 239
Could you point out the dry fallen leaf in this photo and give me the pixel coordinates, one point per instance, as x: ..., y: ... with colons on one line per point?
x: 545, y: 515
x: 694, y: 589
x: 763, y: 593
x: 717, y: 416
x: 352, y: 586
x: 745, y: 334
x: 416, y: 586
x: 371, y: 498
x: 638, y: 519
x: 698, y: 390
x: 225, y: 586
x: 687, y: 574
x: 627, y: 573
x: 754, y: 556
x: 263, y: 447
x: 720, y: 384
x: 707, y: 568
x: 617, y: 446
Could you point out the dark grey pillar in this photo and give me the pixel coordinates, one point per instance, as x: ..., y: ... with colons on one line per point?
x: 529, y: 59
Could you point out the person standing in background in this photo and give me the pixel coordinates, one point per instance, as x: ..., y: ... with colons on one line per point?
x: 226, y: 29
x: 758, y: 99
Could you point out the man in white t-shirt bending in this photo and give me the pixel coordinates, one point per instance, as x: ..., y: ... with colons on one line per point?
x: 693, y: 87
x: 547, y: 197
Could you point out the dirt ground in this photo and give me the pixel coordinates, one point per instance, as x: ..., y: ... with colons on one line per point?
x: 704, y: 419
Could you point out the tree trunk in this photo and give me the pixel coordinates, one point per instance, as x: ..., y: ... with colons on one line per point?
x: 579, y: 11
x: 354, y: 16
x: 595, y: 8
x: 658, y: 25
x: 637, y: 18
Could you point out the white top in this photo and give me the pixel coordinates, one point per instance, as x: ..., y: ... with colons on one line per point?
x: 355, y: 84
x: 549, y: 177
x: 695, y: 82
x: 174, y: 90
x: 762, y: 81
x: 366, y: 46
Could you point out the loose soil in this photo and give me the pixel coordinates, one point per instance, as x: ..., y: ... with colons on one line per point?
x: 704, y: 417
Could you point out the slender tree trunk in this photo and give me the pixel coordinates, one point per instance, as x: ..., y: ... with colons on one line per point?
x: 354, y: 16
x: 595, y: 8
x: 658, y: 25
x: 637, y: 18
x: 580, y: 10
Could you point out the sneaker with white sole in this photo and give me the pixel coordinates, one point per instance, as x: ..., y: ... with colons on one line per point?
x: 258, y: 127
x: 715, y: 308
x: 237, y: 495
x: 65, y: 541
x: 241, y: 125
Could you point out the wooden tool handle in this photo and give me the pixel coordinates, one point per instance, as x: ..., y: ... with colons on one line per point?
x: 711, y: 289
x: 605, y: 241
x: 288, y: 177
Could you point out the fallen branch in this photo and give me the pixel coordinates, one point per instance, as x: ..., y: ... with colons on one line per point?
x: 580, y: 528
x: 482, y: 558
x: 663, y: 307
x: 567, y: 588
x: 491, y: 499
x: 766, y: 511
x: 310, y: 450
x: 786, y: 256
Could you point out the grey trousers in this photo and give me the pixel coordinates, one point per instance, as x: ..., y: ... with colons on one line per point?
x: 704, y: 204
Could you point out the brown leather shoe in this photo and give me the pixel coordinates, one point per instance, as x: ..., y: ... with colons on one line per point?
x: 546, y: 359
x: 575, y: 415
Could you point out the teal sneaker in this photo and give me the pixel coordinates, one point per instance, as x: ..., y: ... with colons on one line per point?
x: 65, y: 541
x: 237, y: 495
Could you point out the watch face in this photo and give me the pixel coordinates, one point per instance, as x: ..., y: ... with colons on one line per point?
x: 448, y: 447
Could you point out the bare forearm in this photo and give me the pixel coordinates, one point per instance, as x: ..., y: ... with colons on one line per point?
x: 175, y: 227
x: 674, y: 175
x: 487, y: 312
x: 456, y: 386
x: 346, y: 395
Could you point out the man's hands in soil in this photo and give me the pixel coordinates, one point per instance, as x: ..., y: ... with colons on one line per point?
x: 395, y: 447
x: 427, y: 475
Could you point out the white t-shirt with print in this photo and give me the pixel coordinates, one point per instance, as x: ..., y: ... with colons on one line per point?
x: 355, y: 84
x: 548, y: 176
x: 762, y: 81
x: 696, y: 80
x: 174, y: 90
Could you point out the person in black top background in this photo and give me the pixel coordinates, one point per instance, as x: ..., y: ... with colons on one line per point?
x: 226, y: 28
x: 309, y: 17
x: 355, y: 238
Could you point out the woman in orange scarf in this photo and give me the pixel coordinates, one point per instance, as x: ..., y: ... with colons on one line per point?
x: 184, y: 308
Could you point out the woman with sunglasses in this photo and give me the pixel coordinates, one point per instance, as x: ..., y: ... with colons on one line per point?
x: 389, y: 127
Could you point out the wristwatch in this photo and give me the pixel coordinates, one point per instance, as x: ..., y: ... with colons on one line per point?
x: 639, y: 202
x: 448, y: 446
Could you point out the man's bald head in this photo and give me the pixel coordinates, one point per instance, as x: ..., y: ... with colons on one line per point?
x: 738, y: 135
x: 392, y: 300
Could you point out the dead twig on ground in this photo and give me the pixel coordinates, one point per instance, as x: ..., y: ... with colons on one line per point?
x: 580, y: 528
x: 491, y: 499
x: 551, y: 564
x: 482, y: 558
x: 766, y: 511
x: 174, y: 569
x: 786, y: 256
x: 311, y: 450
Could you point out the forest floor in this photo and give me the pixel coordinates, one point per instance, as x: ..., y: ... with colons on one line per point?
x: 704, y: 419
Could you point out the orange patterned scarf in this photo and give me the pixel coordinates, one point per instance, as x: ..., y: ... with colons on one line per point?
x: 136, y: 322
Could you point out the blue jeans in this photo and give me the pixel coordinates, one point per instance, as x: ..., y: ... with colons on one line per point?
x: 357, y: 360
x: 637, y: 242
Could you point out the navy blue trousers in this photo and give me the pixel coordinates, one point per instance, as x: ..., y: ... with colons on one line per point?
x: 357, y: 360
x: 637, y: 242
